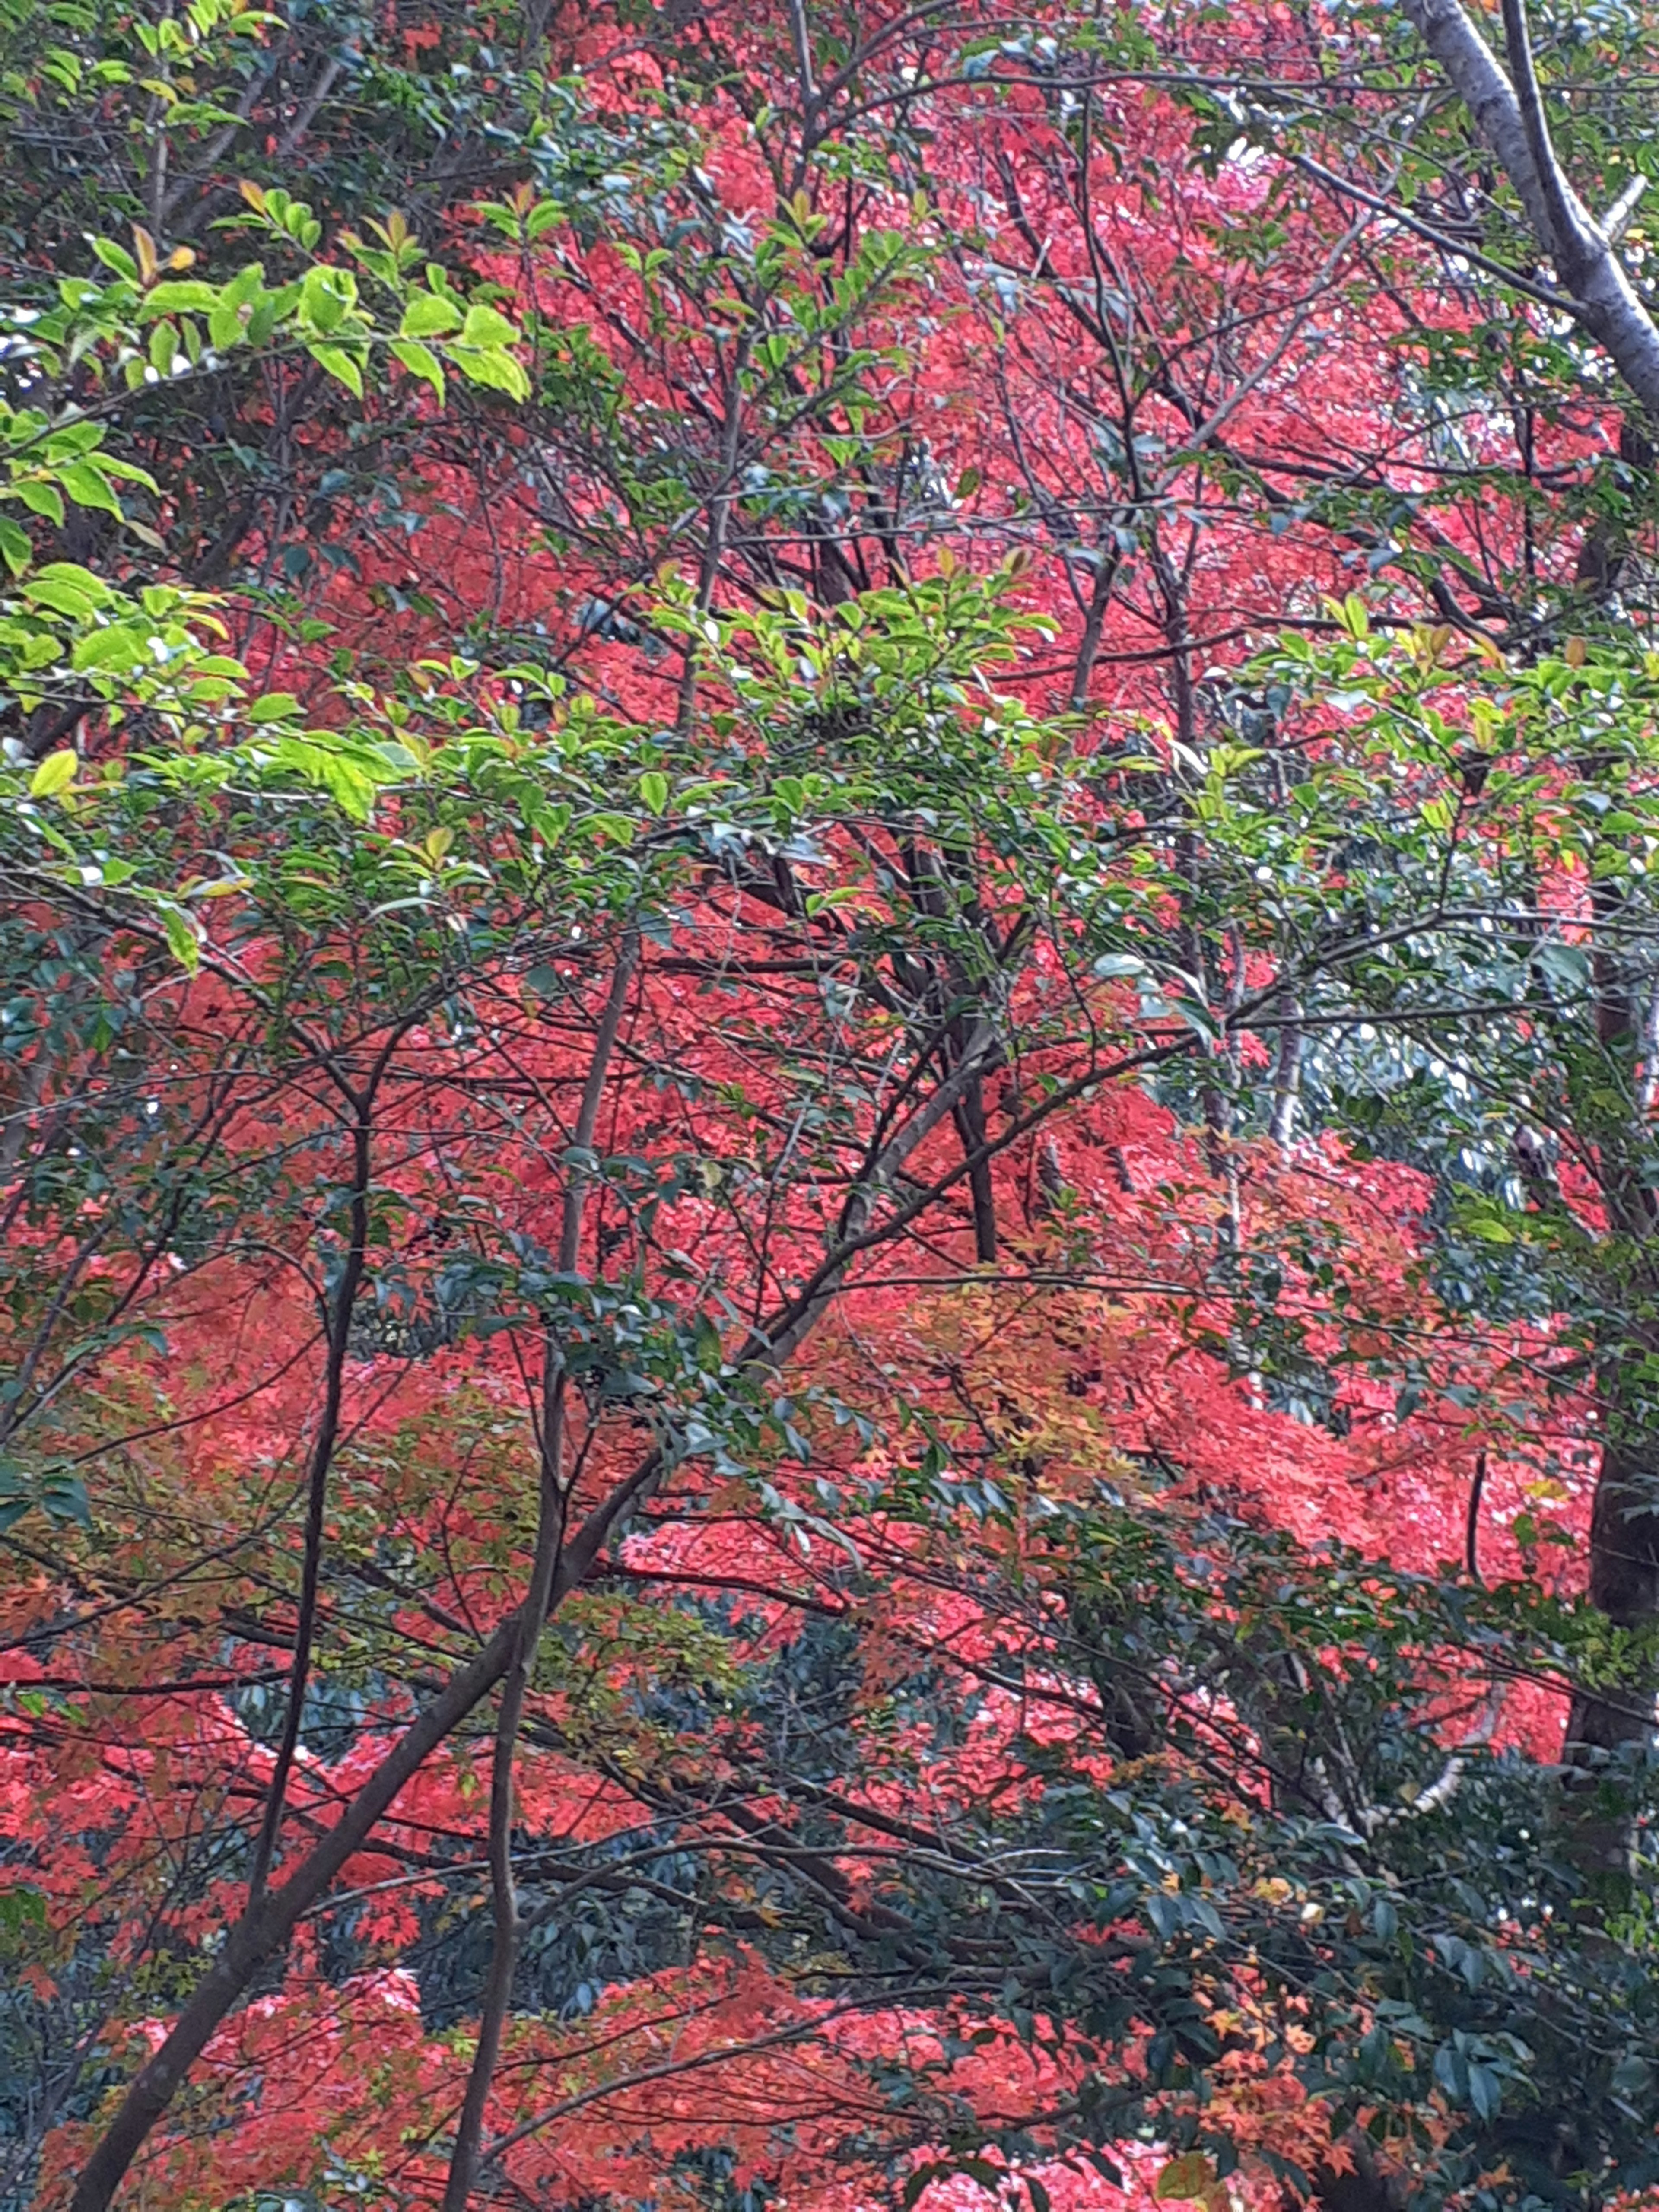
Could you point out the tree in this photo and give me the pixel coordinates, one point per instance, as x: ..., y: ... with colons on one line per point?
x: 692, y: 1135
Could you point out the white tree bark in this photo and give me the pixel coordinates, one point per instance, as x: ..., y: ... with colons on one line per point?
x: 1508, y: 113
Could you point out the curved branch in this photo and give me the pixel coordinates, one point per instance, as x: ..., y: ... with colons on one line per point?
x: 1509, y: 117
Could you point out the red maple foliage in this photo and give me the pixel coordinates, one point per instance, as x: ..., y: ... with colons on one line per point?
x: 831, y: 336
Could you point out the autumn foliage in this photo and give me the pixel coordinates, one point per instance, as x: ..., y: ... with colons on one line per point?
x: 828, y: 1102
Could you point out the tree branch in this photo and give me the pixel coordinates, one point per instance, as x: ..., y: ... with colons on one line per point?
x: 1603, y: 300
x: 552, y: 1506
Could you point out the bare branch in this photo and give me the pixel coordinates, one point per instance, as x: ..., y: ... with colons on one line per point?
x: 552, y: 1504
x: 1617, y: 220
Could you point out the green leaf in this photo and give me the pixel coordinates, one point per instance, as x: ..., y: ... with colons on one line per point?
x: 110, y: 464
x: 341, y: 366
x: 178, y: 297
x: 326, y: 296
x: 15, y: 549
x: 484, y: 327
x: 274, y: 706
x: 491, y: 367
x: 420, y: 360
x: 321, y: 761
x: 1486, y: 2091
x: 182, y: 939
x: 115, y: 257
x: 19, y: 1908
x: 653, y: 790
x: 67, y: 589
x: 1490, y: 1230
x: 55, y: 774
x: 225, y: 327
x: 1197, y: 1018
x: 42, y: 499
x: 123, y: 645
x: 429, y: 315
x: 87, y: 486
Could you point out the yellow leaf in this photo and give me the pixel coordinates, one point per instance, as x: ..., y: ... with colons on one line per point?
x: 1184, y: 2179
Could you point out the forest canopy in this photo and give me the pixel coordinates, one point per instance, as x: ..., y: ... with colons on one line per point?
x: 828, y: 1106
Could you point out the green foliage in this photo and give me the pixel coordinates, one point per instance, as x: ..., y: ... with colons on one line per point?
x: 147, y: 326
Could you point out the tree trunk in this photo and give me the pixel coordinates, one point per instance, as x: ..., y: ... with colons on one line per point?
x: 1608, y: 1727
